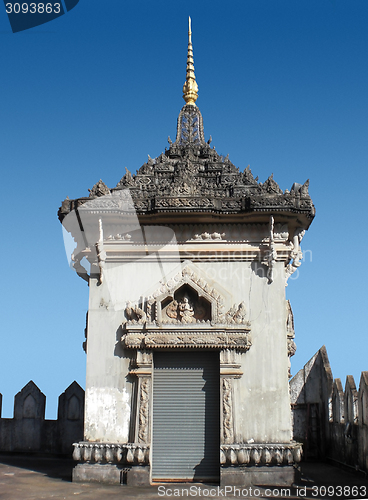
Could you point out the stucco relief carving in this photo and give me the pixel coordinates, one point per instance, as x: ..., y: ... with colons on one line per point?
x: 180, y: 310
x: 115, y: 453
x: 296, y: 254
x: 186, y: 309
x: 198, y: 233
x: 135, y: 314
x: 271, y: 255
x: 215, y: 236
x: 237, y: 315
x: 116, y: 200
x: 186, y: 312
x: 144, y: 399
x: 290, y: 333
x: 261, y: 454
x: 227, y: 411
x: 230, y: 454
x: 228, y: 340
x: 101, y: 254
x: 281, y: 232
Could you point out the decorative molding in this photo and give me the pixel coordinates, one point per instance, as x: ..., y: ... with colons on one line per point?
x: 271, y: 254
x: 230, y: 363
x: 230, y: 454
x: 290, y: 334
x: 153, y: 303
x: 189, y: 127
x: 199, y: 233
x: 296, y: 254
x: 227, y: 411
x: 79, y: 269
x: 239, y: 340
x: 204, y: 289
x: 261, y: 454
x: 120, y: 237
x: 141, y: 367
x: 112, y: 453
x: 192, y: 317
x: 144, y: 399
x: 281, y: 232
x: 215, y: 236
x: 120, y: 201
x: 101, y: 254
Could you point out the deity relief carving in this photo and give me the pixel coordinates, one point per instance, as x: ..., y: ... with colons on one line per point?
x: 186, y: 311
x: 186, y: 307
x: 172, y: 310
x: 236, y: 315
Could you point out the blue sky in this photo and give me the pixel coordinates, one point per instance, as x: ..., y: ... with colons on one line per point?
x: 282, y: 87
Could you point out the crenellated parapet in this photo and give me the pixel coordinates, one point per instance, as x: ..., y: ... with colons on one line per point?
x: 30, y: 432
x: 332, y: 421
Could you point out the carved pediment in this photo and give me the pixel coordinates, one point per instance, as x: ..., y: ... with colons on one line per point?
x: 186, y: 311
x: 189, y: 299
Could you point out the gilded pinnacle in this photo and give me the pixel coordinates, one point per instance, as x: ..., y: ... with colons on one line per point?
x: 190, y: 88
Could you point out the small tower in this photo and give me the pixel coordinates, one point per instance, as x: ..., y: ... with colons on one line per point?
x: 188, y: 333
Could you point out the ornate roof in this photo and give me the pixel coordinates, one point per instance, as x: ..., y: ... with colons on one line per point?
x: 192, y: 178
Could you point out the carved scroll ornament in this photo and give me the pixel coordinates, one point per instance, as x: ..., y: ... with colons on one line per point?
x: 196, y: 339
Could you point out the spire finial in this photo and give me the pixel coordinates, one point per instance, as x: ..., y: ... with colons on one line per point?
x: 190, y: 88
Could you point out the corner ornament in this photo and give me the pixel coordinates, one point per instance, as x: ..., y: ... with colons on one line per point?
x: 296, y: 254
x: 271, y: 254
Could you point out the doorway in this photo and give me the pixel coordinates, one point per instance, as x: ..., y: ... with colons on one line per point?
x: 186, y: 416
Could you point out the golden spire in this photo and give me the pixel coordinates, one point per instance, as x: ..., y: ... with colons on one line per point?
x: 190, y: 88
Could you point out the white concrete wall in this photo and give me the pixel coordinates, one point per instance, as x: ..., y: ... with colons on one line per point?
x: 261, y: 395
x: 262, y: 401
x: 108, y: 393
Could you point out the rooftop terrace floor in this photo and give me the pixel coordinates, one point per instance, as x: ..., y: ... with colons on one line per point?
x: 27, y: 477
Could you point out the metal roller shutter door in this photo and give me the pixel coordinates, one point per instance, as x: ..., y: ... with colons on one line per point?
x: 186, y: 416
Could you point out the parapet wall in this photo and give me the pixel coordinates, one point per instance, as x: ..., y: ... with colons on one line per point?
x: 330, y: 421
x: 28, y: 431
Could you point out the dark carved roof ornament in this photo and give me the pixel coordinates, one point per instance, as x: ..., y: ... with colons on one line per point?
x: 190, y: 177
x: 99, y: 189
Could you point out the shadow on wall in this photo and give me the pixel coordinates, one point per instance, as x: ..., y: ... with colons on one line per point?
x: 330, y: 422
x: 28, y: 431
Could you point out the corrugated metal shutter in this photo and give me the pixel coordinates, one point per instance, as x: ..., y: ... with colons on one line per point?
x: 186, y: 416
